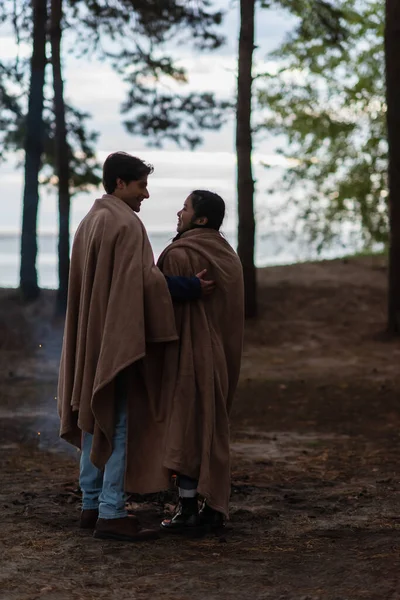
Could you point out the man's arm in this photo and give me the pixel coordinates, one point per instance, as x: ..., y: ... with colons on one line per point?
x: 183, y: 289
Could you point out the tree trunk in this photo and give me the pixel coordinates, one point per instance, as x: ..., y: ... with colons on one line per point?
x: 61, y: 157
x: 245, y: 183
x: 392, y: 52
x: 33, y: 153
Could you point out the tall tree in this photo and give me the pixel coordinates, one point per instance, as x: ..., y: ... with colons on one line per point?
x: 34, y: 135
x: 245, y: 183
x: 392, y: 53
x: 324, y: 93
x: 61, y: 155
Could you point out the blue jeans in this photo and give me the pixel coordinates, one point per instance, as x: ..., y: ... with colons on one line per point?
x: 104, y: 489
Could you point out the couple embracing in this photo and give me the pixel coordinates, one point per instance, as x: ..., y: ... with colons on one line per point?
x: 151, y: 358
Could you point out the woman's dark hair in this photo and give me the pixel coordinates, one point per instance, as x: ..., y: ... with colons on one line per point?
x: 210, y: 205
x: 120, y: 165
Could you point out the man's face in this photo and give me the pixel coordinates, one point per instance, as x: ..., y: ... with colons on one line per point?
x: 134, y: 192
x: 185, y: 216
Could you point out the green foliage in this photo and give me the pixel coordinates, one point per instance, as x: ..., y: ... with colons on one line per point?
x: 14, y: 87
x: 325, y: 93
x: 10, y: 110
x: 151, y: 20
x: 168, y: 116
x: 85, y: 170
x: 133, y: 34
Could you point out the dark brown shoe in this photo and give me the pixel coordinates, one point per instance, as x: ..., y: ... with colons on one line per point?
x: 89, y: 518
x: 126, y: 529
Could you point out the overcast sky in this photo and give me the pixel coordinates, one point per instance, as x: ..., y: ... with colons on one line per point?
x: 93, y: 86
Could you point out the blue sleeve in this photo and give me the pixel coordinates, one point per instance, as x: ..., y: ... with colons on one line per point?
x: 184, y: 288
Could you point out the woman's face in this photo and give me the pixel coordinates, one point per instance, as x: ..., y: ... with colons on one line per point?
x: 185, y: 216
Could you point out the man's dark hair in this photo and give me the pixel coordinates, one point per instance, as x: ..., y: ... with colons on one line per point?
x: 120, y: 165
x: 210, y: 205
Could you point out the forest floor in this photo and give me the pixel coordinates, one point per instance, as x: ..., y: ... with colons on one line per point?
x: 315, y: 507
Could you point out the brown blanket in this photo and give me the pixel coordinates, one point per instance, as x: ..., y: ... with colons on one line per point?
x: 206, y: 364
x: 119, y: 310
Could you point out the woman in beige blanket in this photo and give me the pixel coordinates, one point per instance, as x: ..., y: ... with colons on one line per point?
x: 206, y: 364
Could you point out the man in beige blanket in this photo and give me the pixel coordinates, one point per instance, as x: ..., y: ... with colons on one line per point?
x: 206, y: 364
x: 119, y: 311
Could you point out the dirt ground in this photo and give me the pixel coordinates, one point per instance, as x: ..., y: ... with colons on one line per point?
x: 315, y: 508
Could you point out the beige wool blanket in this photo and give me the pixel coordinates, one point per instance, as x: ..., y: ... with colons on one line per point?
x: 206, y: 364
x: 119, y: 311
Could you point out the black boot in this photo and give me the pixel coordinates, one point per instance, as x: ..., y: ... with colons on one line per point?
x: 211, y: 519
x: 185, y: 520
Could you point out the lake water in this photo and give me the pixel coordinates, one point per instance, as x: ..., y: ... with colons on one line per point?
x: 272, y: 248
x: 176, y: 174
